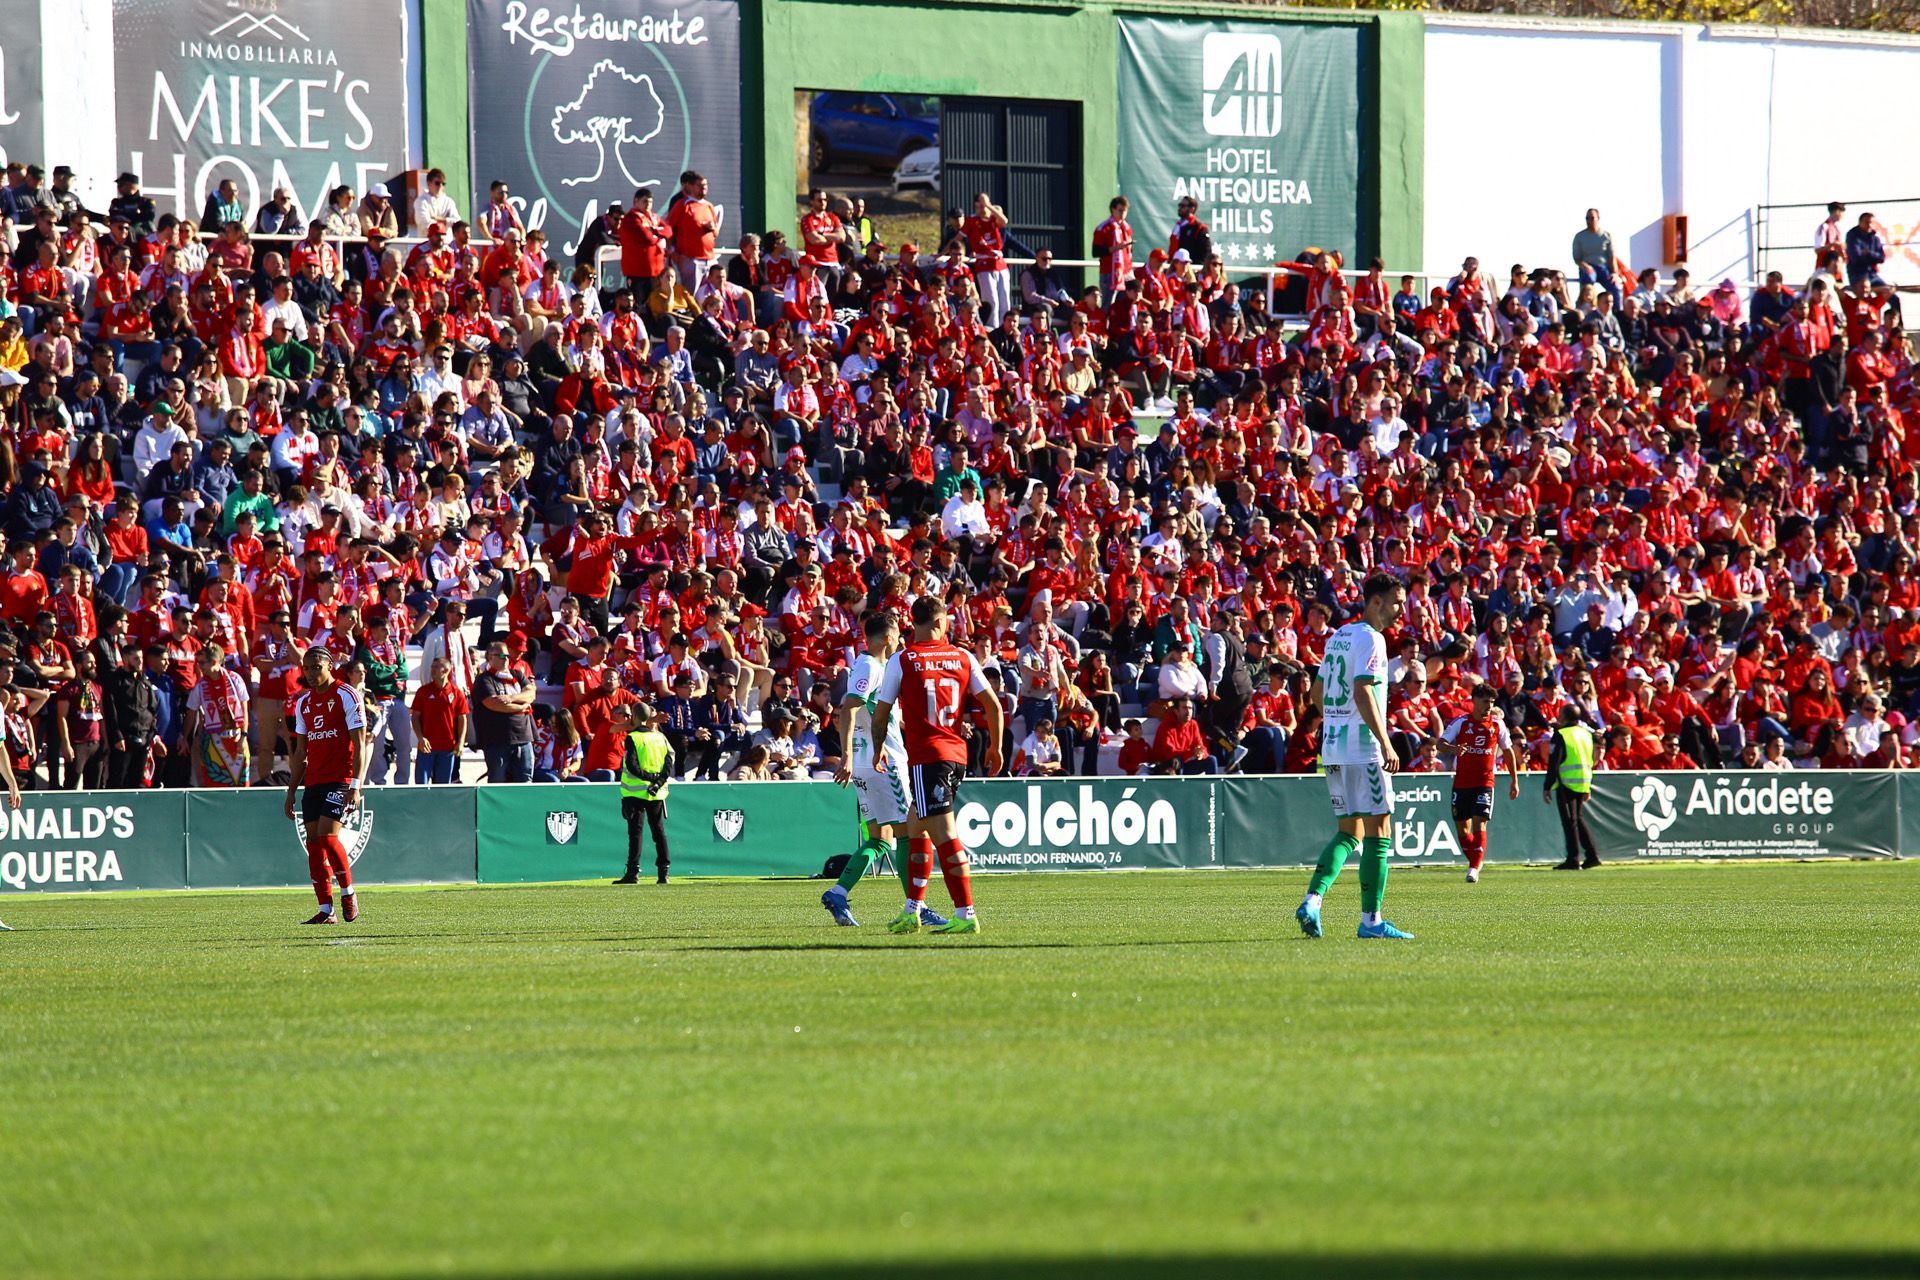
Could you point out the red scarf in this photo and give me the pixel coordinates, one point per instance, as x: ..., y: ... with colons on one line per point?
x: 223, y: 696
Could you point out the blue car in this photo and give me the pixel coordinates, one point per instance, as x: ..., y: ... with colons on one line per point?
x: 873, y: 130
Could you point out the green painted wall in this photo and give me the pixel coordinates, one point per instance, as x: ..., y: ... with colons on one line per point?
x: 1398, y: 143
x: 976, y: 50
x: 443, y: 41
x: 1053, y: 49
x: 982, y: 49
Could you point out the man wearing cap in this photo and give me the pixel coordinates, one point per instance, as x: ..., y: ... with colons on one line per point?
x: 720, y: 729
x: 135, y: 208
x: 362, y: 262
x: 647, y: 762
x: 61, y: 197
x: 376, y: 212
x: 598, y: 234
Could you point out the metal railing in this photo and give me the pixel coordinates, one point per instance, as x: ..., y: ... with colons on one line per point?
x: 1764, y: 231
x: 606, y: 261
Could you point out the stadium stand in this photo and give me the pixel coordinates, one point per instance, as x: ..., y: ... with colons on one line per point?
x: 1692, y: 511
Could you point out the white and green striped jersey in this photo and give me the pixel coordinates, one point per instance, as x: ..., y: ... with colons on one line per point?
x: 1356, y: 651
x: 863, y: 682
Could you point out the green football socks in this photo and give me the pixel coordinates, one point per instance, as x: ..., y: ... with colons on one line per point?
x: 862, y: 858
x: 1332, y: 859
x: 1373, y: 873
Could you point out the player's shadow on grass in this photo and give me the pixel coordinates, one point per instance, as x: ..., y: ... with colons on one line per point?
x: 944, y: 945
x: 1294, y: 1267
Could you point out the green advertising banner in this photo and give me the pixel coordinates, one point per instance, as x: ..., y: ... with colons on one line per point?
x: 1796, y: 813
x: 398, y: 835
x: 1257, y: 121
x: 1907, y: 796
x: 1285, y: 821
x: 64, y: 841
x: 1272, y: 821
x: 419, y: 835
x: 574, y: 831
x: 302, y: 94
x: 1071, y: 824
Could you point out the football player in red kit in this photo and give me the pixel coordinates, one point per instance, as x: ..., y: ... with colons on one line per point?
x: 329, y: 726
x: 1480, y: 741
x: 931, y: 681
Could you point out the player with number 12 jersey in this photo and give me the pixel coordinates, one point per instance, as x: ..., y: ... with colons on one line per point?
x: 930, y: 683
x: 883, y: 795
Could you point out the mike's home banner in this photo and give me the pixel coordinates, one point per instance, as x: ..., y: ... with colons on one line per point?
x: 1259, y: 122
x: 302, y: 94
x: 576, y: 106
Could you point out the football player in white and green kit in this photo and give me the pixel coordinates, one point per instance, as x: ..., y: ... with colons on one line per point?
x: 883, y: 799
x: 1358, y: 759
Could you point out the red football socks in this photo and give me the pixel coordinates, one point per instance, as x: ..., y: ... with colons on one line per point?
x: 327, y: 862
x: 337, y: 858
x: 1475, y: 847
x: 953, y: 865
x: 320, y: 867
x: 919, y: 867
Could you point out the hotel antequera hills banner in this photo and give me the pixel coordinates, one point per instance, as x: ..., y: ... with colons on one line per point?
x: 1258, y: 122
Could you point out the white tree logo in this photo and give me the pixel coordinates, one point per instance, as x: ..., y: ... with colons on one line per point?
x: 1653, y: 807
x: 616, y: 106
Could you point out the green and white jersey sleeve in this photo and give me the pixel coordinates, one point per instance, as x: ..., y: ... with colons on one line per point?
x: 1356, y: 653
x: 863, y: 682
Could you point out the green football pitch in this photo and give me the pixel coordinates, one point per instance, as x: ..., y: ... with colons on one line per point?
x: 1661, y: 1070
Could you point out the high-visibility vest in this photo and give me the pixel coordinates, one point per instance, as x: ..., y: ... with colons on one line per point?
x: 652, y: 750
x: 1576, y: 770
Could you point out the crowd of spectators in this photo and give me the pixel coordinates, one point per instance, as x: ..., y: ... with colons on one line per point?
x: 515, y: 499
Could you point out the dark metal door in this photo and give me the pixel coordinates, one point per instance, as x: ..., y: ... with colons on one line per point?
x: 1024, y: 154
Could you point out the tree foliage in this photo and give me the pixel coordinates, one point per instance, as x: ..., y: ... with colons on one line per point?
x: 1853, y: 15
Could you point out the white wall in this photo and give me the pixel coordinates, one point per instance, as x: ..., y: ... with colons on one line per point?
x: 1706, y: 121
x: 76, y: 33
x: 1509, y: 177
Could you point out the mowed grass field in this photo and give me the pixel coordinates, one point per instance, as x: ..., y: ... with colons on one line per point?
x: 1673, y: 1070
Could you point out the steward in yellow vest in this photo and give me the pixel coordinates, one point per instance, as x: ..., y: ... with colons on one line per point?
x: 646, y: 765
x: 1570, y: 784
